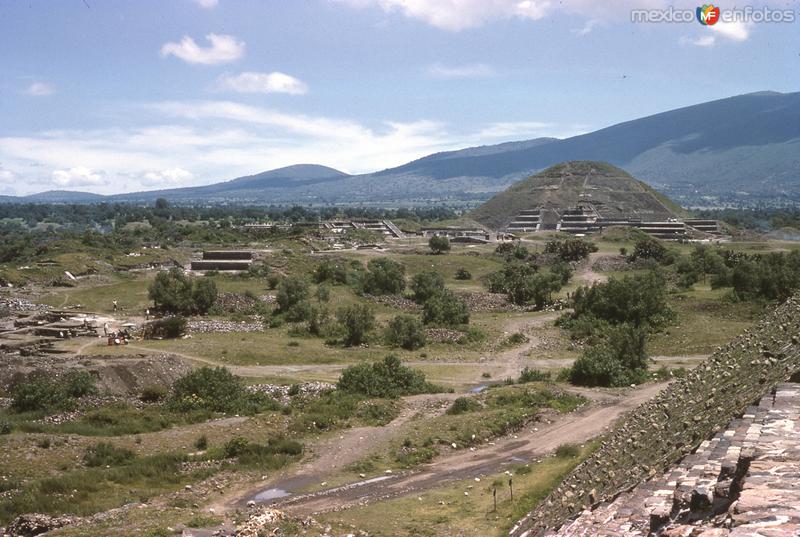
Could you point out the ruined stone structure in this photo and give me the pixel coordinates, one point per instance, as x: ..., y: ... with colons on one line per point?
x: 658, y: 434
x: 742, y: 482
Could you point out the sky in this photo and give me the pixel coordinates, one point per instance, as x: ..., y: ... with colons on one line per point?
x: 113, y: 96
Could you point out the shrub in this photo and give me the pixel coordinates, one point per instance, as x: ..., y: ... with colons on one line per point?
x: 106, y: 454
x: 463, y: 274
x: 216, y: 390
x: 384, y: 277
x: 572, y: 249
x: 426, y: 285
x: 618, y: 361
x: 637, y: 300
x: 167, y: 328
x: 201, y: 443
x: 463, y: 405
x: 439, y: 245
x: 299, y: 312
x: 388, y: 378
x: 273, y: 281
x: 533, y: 375
x: 357, y: 320
x: 291, y: 291
x: 330, y: 271
x: 153, y: 394
x: 79, y: 384
x: 323, y: 293
x: 38, y: 394
x: 568, y: 451
x: 204, y: 294
x: 235, y: 447
x: 171, y: 291
x: 445, y: 309
x: 5, y: 428
x: 651, y: 248
x: 407, y: 332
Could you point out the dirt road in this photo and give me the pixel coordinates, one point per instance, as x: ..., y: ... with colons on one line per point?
x: 576, y: 427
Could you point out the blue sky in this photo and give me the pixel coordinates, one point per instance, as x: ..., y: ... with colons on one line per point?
x: 114, y: 96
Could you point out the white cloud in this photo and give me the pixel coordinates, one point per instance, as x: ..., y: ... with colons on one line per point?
x: 40, y: 89
x: 223, y: 49
x: 702, y: 41
x: 474, y: 70
x: 78, y: 176
x: 588, y: 27
x: 251, y: 82
x: 736, y: 31
x: 209, y: 141
x: 207, y: 4
x: 456, y: 15
x: 167, y: 178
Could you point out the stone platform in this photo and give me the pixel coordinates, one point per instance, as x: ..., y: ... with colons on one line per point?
x: 745, y: 481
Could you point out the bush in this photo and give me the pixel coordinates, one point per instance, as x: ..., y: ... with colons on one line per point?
x: 216, y: 390
x: 407, y: 332
x: 388, y: 379
x: 651, y: 248
x: 445, y: 309
x: 384, y: 277
x: 291, y: 291
x: 79, y: 384
x: 568, y: 451
x: 153, y: 394
x: 204, y: 294
x: 636, y: 300
x: 174, y: 292
x: 463, y: 405
x: 330, y: 271
x: 201, y: 443
x: 618, y: 361
x: 426, y: 285
x: 463, y: 274
x: 167, y: 328
x: 297, y: 313
x: 106, y: 454
x: 235, y: 447
x: 357, y: 320
x: 38, y: 394
x: 533, y: 375
x: 572, y: 249
x: 510, y: 250
x: 273, y: 281
x: 439, y: 245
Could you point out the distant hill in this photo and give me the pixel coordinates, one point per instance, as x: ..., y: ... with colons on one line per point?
x: 612, y: 192
x: 739, y: 149
x: 62, y: 196
x: 252, y: 188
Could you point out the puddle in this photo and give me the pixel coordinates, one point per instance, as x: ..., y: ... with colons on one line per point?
x: 271, y: 494
x: 478, y: 389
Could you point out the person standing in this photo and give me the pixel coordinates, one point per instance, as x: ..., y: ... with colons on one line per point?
x: 114, y: 303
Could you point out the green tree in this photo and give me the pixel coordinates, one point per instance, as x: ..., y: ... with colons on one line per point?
x: 439, y: 245
x: 572, y: 249
x: 445, y: 309
x: 637, y: 300
x: 405, y: 331
x: 204, y: 294
x: 388, y: 378
x: 384, y: 277
x: 171, y: 291
x: 357, y: 320
x: 425, y: 285
x: 620, y: 360
x: 291, y: 291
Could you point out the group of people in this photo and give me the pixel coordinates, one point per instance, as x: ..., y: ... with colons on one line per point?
x: 116, y: 338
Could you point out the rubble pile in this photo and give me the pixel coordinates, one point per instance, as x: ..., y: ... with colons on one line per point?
x: 21, y: 305
x: 671, y: 425
x: 741, y: 481
x: 271, y: 523
x: 443, y: 335
x: 285, y: 393
x: 481, y: 302
x: 238, y: 302
x: 207, y: 326
x: 29, y: 525
x: 396, y: 302
x: 617, y: 263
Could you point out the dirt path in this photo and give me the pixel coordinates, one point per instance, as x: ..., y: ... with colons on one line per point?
x: 576, y: 427
x: 586, y: 273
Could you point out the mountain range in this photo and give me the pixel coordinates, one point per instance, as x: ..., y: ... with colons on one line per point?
x: 743, y: 149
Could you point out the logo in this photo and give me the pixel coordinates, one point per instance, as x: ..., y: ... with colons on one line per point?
x: 708, y: 15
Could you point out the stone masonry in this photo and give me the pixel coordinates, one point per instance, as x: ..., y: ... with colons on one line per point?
x: 654, y: 437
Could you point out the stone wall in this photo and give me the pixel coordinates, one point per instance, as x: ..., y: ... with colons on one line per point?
x: 656, y: 435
